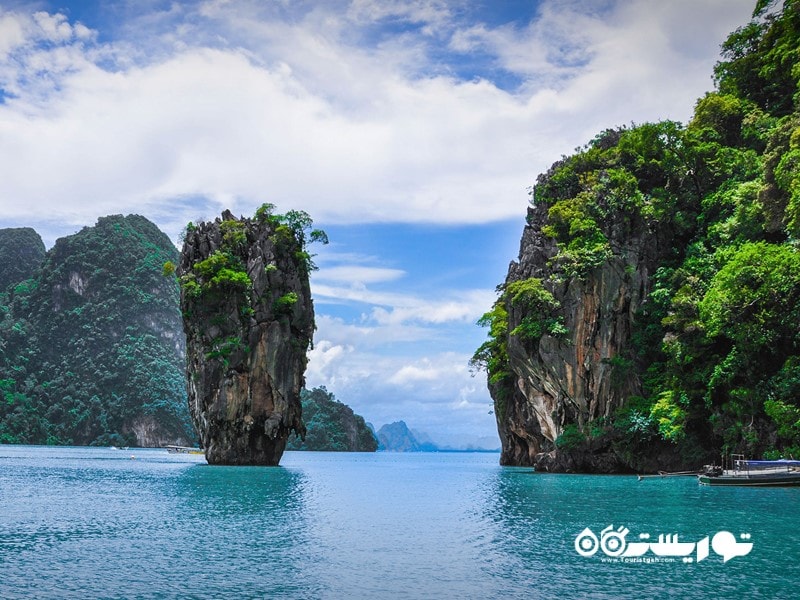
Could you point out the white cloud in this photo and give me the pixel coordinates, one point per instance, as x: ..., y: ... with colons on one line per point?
x: 55, y: 27
x: 426, y: 391
x: 388, y: 308
x: 295, y: 112
x: 357, y: 275
x: 428, y: 12
x: 11, y: 34
x: 411, y: 374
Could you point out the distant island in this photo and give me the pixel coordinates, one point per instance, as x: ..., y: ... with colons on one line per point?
x: 331, y: 426
x: 397, y: 437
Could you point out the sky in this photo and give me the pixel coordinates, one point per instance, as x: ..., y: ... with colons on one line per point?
x: 410, y: 131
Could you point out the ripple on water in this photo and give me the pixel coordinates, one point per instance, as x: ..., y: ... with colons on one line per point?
x: 78, y: 523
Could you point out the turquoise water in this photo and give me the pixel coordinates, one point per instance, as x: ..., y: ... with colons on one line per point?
x: 96, y: 523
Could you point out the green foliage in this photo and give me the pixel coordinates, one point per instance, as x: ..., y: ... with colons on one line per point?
x: 584, y: 246
x: 539, y: 305
x: 492, y: 356
x: 754, y: 299
x: 635, y: 419
x: 493, y: 353
x: 786, y: 417
x: 624, y: 180
x: 219, y: 274
x: 331, y: 426
x: 265, y: 214
x: 571, y: 438
x: 89, y: 345
x: 716, y: 344
x: 285, y: 303
x: 168, y: 269
x: 299, y: 225
x: 234, y: 234
x: 670, y: 416
x: 224, y: 347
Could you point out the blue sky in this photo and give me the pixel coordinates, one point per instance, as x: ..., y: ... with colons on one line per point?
x: 410, y: 130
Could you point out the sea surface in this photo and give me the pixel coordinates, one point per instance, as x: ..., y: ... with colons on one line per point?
x: 142, y: 523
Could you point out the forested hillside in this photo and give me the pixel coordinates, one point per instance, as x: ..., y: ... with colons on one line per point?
x: 91, y: 347
x: 21, y: 253
x: 331, y: 426
x: 653, y: 317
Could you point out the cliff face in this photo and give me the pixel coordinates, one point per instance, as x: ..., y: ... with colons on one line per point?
x: 249, y: 320
x: 92, y: 348
x: 651, y: 321
x: 579, y: 325
x: 579, y: 374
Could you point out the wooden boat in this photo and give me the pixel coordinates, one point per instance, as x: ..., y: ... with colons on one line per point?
x: 753, y: 473
x: 183, y: 449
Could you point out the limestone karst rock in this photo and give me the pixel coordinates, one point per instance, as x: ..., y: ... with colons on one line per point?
x: 577, y: 377
x: 92, y: 348
x: 249, y: 320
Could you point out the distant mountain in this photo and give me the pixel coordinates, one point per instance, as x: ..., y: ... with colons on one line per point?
x: 91, y: 347
x: 397, y: 437
x: 21, y: 253
x: 422, y: 437
x: 332, y: 426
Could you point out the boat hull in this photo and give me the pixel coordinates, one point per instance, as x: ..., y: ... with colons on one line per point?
x: 773, y: 480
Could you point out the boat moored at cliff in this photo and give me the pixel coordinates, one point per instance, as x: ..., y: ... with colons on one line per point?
x: 753, y: 473
x: 172, y: 449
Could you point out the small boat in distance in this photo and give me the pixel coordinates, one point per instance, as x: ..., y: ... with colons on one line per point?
x: 183, y: 449
x: 754, y: 473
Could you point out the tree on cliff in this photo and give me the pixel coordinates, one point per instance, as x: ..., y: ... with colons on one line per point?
x: 670, y: 254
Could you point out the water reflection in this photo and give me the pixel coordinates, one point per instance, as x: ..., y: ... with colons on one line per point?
x: 538, y: 516
x: 377, y: 526
x: 246, y: 528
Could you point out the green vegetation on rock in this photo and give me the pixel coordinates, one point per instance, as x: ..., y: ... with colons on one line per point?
x: 331, y: 426
x: 714, y: 347
x: 91, y: 350
x: 21, y: 253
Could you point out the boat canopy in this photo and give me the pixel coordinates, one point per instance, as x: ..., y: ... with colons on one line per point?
x: 783, y: 462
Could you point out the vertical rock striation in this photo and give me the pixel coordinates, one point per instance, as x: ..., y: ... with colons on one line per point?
x: 579, y: 377
x: 249, y: 320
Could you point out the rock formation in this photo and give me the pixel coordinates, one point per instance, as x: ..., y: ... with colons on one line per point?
x: 651, y: 321
x: 92, y: 347
x: 580, y: 376
x: 249, y: 320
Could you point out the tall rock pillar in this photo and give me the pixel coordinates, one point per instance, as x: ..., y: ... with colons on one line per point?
x: 249, y: 320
